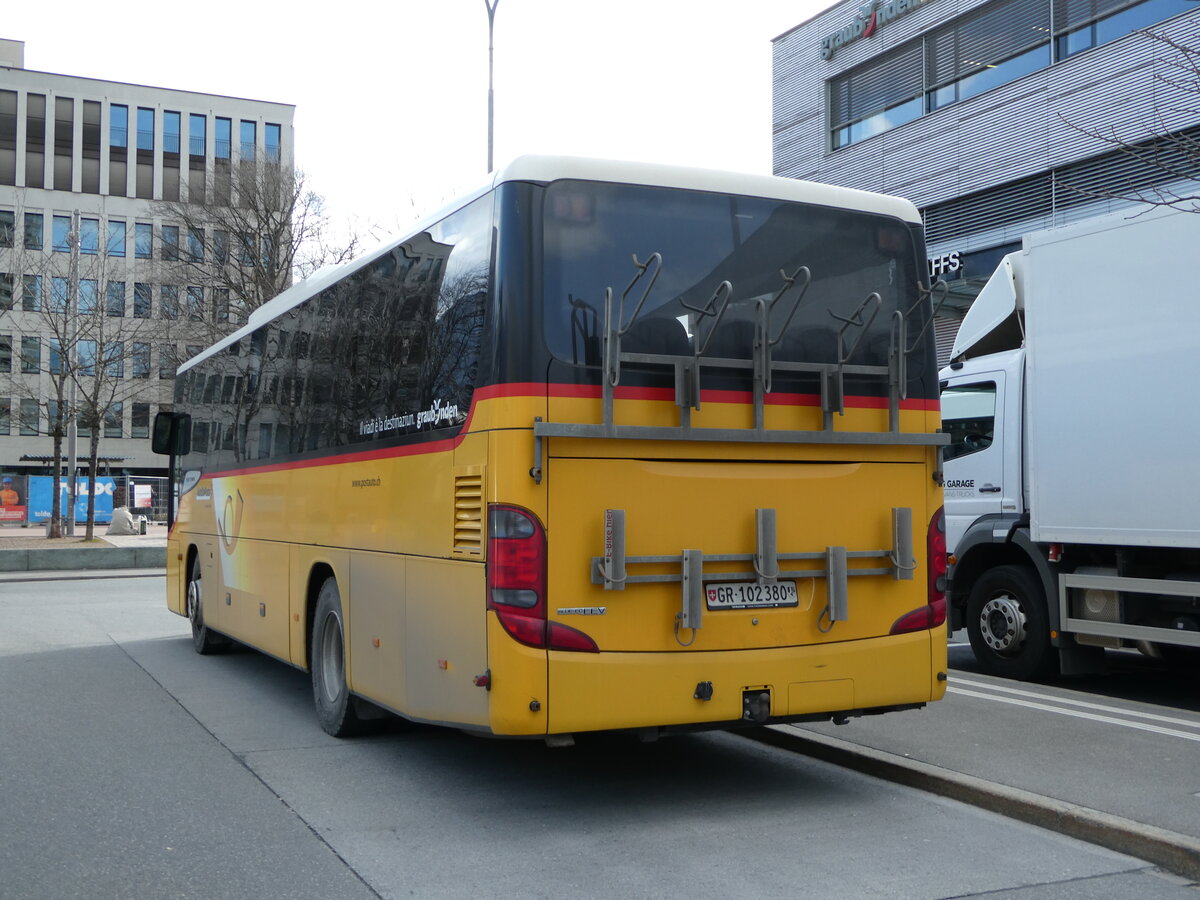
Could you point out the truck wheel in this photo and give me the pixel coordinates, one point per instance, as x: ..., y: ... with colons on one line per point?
x: 204, y: 639
x: 1008, y: 624
x: 336, y: 709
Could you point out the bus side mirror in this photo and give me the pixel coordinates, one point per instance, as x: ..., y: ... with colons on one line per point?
x: 172, y: 434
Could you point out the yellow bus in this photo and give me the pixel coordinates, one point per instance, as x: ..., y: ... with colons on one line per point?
x: 603, y: 446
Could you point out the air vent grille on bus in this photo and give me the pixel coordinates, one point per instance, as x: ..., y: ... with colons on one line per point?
x: 468, y: 511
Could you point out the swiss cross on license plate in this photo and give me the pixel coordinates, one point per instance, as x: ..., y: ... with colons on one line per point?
x: 750, y: 595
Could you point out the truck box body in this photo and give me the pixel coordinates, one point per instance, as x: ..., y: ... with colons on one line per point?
x: 1112, y: 313
x: 1072, y: 501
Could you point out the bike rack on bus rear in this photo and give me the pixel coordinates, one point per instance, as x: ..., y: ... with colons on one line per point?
x: 611, y: 570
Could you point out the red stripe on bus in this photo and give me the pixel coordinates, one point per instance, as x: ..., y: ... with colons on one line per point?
x: 533, y: 390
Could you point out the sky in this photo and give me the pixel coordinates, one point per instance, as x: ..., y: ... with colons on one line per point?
x: 391, y: 98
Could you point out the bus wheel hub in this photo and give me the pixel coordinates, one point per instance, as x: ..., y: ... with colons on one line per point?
x: 1002, y: 624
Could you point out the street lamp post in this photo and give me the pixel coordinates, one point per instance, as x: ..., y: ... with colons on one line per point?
x: 491, y: 10
x: 72, y: 310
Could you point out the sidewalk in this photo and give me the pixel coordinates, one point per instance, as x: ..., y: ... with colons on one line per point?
x: 26, y: 551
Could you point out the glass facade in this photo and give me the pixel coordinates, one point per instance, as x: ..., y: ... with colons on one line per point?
x: 987, y: 47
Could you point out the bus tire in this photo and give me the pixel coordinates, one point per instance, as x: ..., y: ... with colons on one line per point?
x: 336, y: 709
x: 205, y: 641
x: 1008, y: 624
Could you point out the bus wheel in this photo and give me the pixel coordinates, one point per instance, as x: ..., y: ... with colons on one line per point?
x: 1008, y: 624
x: 204, y: 639
x: 336, y: 709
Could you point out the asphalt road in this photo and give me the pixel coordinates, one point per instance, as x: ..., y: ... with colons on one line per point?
x: 131, y: 767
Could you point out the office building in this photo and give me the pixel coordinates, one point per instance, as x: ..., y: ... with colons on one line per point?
x: 94, y: 256
x: 990, y: 115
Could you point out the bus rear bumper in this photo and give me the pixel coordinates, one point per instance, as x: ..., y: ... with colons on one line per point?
x: 607, y: 691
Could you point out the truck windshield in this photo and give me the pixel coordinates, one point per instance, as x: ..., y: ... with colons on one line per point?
x: 592, y: 231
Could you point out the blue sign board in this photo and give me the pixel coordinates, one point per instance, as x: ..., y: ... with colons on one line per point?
x: 41, y: 496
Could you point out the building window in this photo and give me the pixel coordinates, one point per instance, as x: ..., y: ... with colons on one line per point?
x: 85, y: 356
x: 31, y: 355
x: 141, y: 362
x: 55, y: 361
x: 7, y: 220
x: 171, y: 126
x: 224, y: 147
x: 271, y: 141
x: 5, y: 415
x: 196, y: 244
x: 220, y: 304
x: 35, y: 140
x: 6, y: 353
x: 1081, y: 26
x: 145, y: 128
x: 60, y: 295
x: 197, y: 125
x: 62, y: 234
x: 29, y: 417
x: 89, y: 291
x: 114, y: 359
x: 8, y: 137
x: 35, y: 223
x: 143, y: 240
x: 31, y: 293
x: 167, y: 362
x: 112, y: 420
x: 7, y: 282
x: 168, y: 301
x: 140, y: 421
x: 221, y: 246
x: 116, y: 238
x: 118, y: 126
x: 89, y: 236
x: 143, y: 295
x: 114, y: 299
x: 248, y: 134
x: 170, y: 242
x: 195, y: 304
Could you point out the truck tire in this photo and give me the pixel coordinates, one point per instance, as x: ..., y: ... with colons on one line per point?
x: 205, y: 641
x: 1009, y: 626
x: 337, y: 711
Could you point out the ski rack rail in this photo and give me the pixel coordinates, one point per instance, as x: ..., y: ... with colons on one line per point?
x: 687, y: 370
x: 612, y: 569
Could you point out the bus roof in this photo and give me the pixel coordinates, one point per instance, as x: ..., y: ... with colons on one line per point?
x: 546, y: 169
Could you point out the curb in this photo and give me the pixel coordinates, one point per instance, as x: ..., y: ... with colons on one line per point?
x: 77, y: 575
x: 37, y: 560
x: 1170, y: 850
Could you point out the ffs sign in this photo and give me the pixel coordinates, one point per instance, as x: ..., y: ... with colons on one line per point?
x: 948, y: 265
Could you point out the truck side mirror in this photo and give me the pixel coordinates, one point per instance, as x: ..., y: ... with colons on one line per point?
x: 172, y: 434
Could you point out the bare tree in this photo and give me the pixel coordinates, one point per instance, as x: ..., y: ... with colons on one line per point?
x: 1166, y: 158
x: 247, y: 242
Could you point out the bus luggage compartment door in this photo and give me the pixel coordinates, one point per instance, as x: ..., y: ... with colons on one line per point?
x: 688, y: 520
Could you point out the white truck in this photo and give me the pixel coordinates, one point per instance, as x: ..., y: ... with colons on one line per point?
x: 1072, y: 478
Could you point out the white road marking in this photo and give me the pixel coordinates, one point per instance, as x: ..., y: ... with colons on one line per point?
x: 1078, y: 714
x: 1133, y: 713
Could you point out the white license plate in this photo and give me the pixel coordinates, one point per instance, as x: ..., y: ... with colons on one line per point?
x: 750, y: 595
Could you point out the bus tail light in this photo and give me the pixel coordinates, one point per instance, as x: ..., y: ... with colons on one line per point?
x: 516, y: 582
x: 933, y: 613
